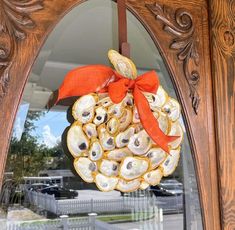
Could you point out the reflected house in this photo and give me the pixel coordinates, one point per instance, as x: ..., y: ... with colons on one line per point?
x: 50, y: 180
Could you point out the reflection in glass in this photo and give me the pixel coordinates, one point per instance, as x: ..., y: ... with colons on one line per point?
x: 39, y: 182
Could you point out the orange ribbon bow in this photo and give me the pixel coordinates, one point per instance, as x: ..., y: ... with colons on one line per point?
x: 99, y: 78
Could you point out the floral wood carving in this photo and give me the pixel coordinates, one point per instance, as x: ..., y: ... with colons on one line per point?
x: 14, y: 20
x: 180, y: 25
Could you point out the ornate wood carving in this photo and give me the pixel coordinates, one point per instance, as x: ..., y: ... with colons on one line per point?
x: 14, y: 19
x: 180, y: 25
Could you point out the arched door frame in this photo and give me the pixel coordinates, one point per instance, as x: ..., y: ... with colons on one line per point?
x: 181, y: 36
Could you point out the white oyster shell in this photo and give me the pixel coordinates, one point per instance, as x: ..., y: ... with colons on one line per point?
x: 128, y: 100
x: 156, y: 156
x: 170, y: 163
x: 133, y: 167
x: 109, y: 167
x: 105, y: 102
x: 113, y: 125
x: 106, y: 140
x: 85, y: 168
x: 144, y: 185
x: 105, y: 183
x: 118, y: 154
x: 125, y: 120
x: 95, y: 151
x: 164, y: 123
x: 101, y: 116
x: 153, y: 177
x: 139, y: 143
x: 83, y: 108
x: 116, y: 110
x: 77, y: 141
x: 135, y: 116
x: 122, y: 139
x: 128, y: 186
x: 176, y: 130
x: 156, y: 101
x: 172, y: 109
x: 90, y: 130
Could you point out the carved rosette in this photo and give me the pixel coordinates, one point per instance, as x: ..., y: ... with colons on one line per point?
x: 180, y: 25
x: 14, y: 21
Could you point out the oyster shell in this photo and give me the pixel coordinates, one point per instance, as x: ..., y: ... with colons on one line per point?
x: 113, y: 125
x: 133, y: 167
x: 139, y: 143
x: 170, y: 163
x: 106, y: 140
x: 105, y: 183
x: 128, y: 100
x: 118, y: 154
x: 153, y: 177
x: 95, y: 151
x: 172, y: 109
x: 122, y: 64
x: 164, y: 123
x: 144, y: 185
x: 105, y: 102
x: 160, y: 97
x: 156, y: 101
x: 125, y: 120
x: 176, y: 130
x: 101, y: 116
x: 156, y: 157
x: 83, y: 108
x: 90, y: 130
x: 85, y: 168
x: 77, y: 141
x: 135, y: 116
x: 138, y: 127
x: 109, y: 167
x: 116, y: 110
x: 128, y: 186
x: 122, y: 139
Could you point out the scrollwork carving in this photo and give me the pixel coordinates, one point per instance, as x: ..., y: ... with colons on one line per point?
x: 179, y: 23
x: 14, y: 20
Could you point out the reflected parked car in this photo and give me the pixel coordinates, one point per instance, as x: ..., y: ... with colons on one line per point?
x: 171, y: 182
x: 167, y: 190
x: 60, y: 192
x: 37, y: 187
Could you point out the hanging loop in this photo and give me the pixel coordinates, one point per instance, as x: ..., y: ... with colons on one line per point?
x: 124, y: 46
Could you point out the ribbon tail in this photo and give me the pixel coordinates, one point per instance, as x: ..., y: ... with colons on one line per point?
x: 82, y: 81
x: 150, y: 123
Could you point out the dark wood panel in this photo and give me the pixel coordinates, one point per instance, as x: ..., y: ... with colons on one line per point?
x: 200, y: 126
x: 222, y: 15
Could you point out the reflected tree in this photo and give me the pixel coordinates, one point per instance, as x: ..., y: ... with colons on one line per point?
x: 27, y: 156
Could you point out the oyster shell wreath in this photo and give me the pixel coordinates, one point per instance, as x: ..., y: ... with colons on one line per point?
x: 109, y: 144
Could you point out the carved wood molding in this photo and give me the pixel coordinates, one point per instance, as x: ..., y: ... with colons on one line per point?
x: 179, y: 23
x: 14, y: 21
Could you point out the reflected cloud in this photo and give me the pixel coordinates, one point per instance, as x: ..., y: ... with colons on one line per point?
x: 49, y: 139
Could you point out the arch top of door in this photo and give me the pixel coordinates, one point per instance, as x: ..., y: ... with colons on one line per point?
x: 180, y: 34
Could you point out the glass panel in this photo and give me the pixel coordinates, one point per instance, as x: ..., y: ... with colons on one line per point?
x: 41, y: 189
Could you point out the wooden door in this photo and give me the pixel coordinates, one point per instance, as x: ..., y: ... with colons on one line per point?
x: 180, y: 31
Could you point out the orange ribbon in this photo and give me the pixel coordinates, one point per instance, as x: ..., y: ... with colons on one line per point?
x: 99, y: 78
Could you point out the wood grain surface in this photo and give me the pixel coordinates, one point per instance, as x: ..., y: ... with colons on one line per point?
x: 200, y: 126
x: 222, y: 15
